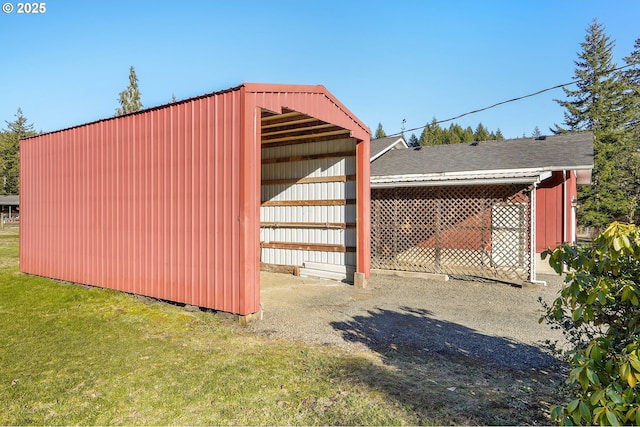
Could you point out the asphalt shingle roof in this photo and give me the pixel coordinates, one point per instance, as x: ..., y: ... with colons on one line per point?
x: 557, y: 152
x: 380, y: 144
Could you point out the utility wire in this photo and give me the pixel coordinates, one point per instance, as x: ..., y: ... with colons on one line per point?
x: 505, y: 102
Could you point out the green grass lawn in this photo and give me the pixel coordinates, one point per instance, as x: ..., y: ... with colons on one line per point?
x: 71, y: 354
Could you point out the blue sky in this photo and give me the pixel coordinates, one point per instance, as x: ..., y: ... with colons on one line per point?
x: 385, y: 60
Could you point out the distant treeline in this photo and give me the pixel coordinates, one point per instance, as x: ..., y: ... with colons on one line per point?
x: 433, y: 134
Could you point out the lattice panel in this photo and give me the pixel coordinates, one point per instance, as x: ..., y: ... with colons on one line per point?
x: 473, y: 230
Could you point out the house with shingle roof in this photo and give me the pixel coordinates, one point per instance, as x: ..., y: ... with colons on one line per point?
x: 380, y: 146
x: 9, y: 208
x: 485, y: 209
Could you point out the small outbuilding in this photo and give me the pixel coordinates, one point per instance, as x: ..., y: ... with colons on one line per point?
x: 9, y: 208
x: 484, y: 209
x: 183, y: 202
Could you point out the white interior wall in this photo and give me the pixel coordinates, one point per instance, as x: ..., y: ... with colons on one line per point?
x: 320, y: 222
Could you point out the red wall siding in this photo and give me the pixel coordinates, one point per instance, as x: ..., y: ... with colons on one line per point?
x: 551, y: 210
x: 147, y: 203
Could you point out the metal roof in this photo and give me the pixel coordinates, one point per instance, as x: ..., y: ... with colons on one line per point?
x: 559, y: 152
x: 331, y: 110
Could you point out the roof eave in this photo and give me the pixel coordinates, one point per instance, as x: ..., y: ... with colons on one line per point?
x: 464, y: 178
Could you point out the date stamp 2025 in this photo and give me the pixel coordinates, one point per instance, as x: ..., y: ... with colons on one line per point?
x: 25, y: 8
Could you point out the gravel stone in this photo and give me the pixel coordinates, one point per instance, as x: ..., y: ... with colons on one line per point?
x: 488, y: 322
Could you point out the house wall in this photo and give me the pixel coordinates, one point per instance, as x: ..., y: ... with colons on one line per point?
x: 555, y: 220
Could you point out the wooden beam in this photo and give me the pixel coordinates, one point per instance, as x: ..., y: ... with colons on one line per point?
x: 309, y: 180
x: 309, y: 157
x: 310, y: 140
x: 337, y: 202
x: 298, y: 129
x: 321, y: 225
x: 282, y: 116
x: 322, y: 247
x: 290, y: 123
x: 310, y: 135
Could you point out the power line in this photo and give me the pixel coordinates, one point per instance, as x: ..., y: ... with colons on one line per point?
x: 504, y: 102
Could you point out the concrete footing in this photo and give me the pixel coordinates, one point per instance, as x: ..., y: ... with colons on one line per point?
x: 359, y: 281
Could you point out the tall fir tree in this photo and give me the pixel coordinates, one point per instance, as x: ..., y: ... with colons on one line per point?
x: 379, y: 132
x: 130, y: 97
x: 481, y: 133
x: 413, y: 141
x: 536, y: 132
x: 599, y: 104
x: 432, y: 134
x: 632, y: 78
x: 10, y: 152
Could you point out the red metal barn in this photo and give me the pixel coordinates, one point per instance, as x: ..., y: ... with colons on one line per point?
x: 167, y: 202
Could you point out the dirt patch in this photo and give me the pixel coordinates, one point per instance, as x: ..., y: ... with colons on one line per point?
x: 491, y: 323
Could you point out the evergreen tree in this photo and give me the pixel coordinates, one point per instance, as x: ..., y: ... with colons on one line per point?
x: 632, y: 164
x: 467, y: 136
x: 536, y: 132
x: 379, y: 132
x: 599, y: 104
x: 632, y: 78
x: 10, y: 152
x: 454, y: 135
x: 481, y: 133
x: 130, y: 97
x: 413, y: 141
x: 431, y: 134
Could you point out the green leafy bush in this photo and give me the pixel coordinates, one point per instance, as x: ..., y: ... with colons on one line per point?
x: 598, y: 310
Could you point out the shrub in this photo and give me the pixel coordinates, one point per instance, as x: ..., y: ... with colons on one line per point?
x: 598, y: 309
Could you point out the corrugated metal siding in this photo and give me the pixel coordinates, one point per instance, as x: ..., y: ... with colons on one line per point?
x: 146, y: 203
x: 311, y: 216
x: 312, y: 100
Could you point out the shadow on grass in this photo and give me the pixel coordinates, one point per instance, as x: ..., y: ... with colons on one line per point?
x: 448, y: 373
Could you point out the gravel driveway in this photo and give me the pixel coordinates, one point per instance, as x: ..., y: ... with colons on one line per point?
x: 492, y: 323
